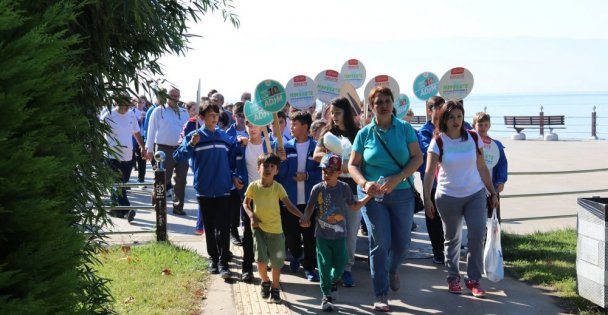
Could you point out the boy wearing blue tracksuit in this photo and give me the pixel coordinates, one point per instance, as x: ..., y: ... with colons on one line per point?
x: 298, y: 174
x: 494, y: 155
x: 209, y: 147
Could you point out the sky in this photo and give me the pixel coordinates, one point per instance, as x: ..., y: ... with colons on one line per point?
x: 510, y: 47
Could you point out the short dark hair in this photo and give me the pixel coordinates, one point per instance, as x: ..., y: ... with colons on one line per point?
x: 270, y: 158
x: 207, y: 107
x: 224, y: 119
x: 434, y: 101
x: 239, y: 107
x: 302, y: 117
x: 281, y: 114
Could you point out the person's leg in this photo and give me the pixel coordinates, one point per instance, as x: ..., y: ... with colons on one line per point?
x: 235, y: 216
x: 475, y: 217
x: 450, y: 209
x: 340, y: 258
x: 179, y: 190
x: 222, y: 229
x: 378, y: 224
x: 309, y: 240
x: 125, y: 170
x: 169, y: 164
x: 325, y: 263
x: 353, y: 219
x: 400, y: 204
x: 209, y: 214
x: 291, y: 228
x: 200, y: 223
x: 435, y: 230
x: 248, y: 256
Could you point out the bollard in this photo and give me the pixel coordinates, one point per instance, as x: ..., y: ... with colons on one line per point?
x: 542, y: 122
x: 594, y: 124
x: 160, y: 197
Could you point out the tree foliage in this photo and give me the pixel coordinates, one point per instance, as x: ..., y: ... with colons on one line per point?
x: 62, y: 61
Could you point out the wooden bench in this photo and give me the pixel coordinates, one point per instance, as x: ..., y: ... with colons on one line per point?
x: 519, y: 123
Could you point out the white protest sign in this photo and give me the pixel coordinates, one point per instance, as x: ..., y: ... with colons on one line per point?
x: 328, y: 84
x: 353, y: 72
x: 456, y: 84
x: 301, y: 92
x: 382, y: 80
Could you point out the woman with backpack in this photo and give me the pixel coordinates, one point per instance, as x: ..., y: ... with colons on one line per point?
x: 462, y: 181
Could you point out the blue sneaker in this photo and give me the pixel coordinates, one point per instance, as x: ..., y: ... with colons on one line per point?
x: 294, y: 265
x: 312, y: 276
x: 347, y: 279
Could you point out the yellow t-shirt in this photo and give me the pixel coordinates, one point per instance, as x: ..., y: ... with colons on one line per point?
x: 266, y: 205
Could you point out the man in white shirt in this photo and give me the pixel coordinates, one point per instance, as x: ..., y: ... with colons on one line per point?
x: 123, y: 126
x: 164, y: 129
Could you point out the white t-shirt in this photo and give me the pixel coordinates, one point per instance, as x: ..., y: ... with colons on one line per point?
x: 458, y: 175
x: 252, y: 152
x: 302, y: 149
x: 123, y: 127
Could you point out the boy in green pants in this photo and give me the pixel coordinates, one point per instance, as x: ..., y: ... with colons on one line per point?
x: 332, y: 198
x: 265, y: 217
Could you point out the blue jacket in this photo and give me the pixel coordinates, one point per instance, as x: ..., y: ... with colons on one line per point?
x: 211, y: 163
x: 499, y: 172
x: 144, y: 132
x: 237, y: 159
x: 425, y: 135
x: 231, y: 131
x: 289, y: 168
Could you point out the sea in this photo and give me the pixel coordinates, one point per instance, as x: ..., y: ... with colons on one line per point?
x: 576, y: 107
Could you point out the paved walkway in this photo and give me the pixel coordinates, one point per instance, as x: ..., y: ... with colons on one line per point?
x: 423, y: 285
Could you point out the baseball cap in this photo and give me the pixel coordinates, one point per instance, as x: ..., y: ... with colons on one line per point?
x: 331, y: 161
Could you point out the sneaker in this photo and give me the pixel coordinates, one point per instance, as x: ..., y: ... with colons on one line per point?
x: 454, y: 286
x: 225, y: 272
x: 334, y: 290
x: 311, y: 276
x: 247, y: 276
x: 381, y: 304
x: 275, y: 295
x: 327, y: 304
x: 130, y: 215
x: 475, y: 288
x: 439, y: 260
x: 265, y: 290
x: 199, y: 232
x: 294, y: 265
x: 394, y: 281
x: 213, y: 268
x: 347, y: 279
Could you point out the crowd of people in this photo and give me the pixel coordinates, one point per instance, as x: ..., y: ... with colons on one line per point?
x: 305, y: 202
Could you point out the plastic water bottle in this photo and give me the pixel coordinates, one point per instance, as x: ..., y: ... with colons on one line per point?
x: 380, y: 182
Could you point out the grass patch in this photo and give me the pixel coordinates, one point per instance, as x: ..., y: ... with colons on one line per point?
x: 157, y: 278
x: 549, y: 260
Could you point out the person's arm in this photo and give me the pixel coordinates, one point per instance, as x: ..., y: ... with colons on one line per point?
x: 354, y: 169
x: 151, y: 135
x: 432, y: 161
x: 291, y: 208
x: 186, y: 148
x: 500, y: 172
x: 247, y: 207
x: 484, y: 172
x: 305, y: 220
x: 357, y: 205
x: 140, y: 142
x: 320, y: 150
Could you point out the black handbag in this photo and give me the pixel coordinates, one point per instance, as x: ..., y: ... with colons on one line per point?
x: 418, y: 203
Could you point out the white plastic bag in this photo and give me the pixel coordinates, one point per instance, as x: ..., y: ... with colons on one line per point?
x: 347, y: 147
x: 492, y: 253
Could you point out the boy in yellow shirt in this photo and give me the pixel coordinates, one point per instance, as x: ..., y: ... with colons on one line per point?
x: 268, y: 237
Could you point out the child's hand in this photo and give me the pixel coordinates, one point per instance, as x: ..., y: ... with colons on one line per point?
x: 255, y: 222
x: 304, y: 222
x: 195, y: 138
x: 300, y: 177
x: 242, y: 140
x: 281, y: 153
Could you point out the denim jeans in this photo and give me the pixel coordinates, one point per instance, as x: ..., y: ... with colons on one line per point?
x: 389, y: 226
